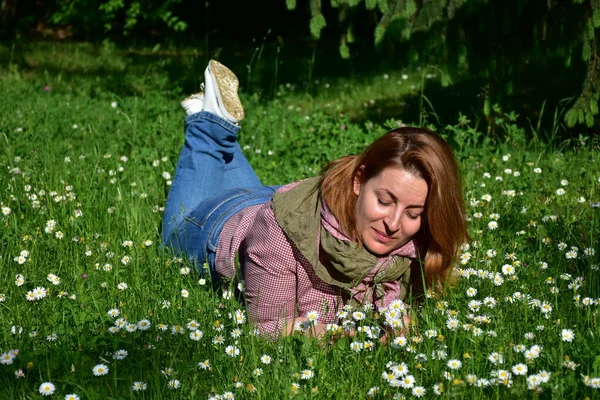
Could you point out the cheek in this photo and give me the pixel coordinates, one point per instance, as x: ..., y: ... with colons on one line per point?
x: 363, y: 213
x: 413, y: 226
x: 368, y: 212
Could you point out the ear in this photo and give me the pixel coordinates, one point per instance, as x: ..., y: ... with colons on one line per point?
x: 358, y: 179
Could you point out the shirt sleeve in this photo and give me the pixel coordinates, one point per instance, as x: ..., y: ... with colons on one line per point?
x: 270, y: 274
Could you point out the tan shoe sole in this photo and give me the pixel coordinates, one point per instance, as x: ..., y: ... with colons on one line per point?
x: 228, y: 85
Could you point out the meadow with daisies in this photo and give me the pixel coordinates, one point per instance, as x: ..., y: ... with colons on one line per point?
x: 93, y: 307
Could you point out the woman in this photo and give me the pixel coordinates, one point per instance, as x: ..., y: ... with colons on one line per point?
x: 362, y: 232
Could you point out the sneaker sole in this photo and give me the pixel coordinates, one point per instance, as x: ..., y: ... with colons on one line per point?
x: 227, y: 93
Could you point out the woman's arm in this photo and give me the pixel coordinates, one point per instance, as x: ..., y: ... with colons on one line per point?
x: 270, y: 276
x: 281, y: 285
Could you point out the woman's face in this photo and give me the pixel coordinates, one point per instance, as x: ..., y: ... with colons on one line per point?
x: 389, y: 208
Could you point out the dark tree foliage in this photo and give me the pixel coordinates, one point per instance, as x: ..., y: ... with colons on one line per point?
x: 496, y: 42
x: 494, y: 39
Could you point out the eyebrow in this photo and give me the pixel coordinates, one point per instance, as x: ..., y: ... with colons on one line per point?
x: 393, y: 196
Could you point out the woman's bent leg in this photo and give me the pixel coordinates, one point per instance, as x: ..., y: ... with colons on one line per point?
x: 210, y: 162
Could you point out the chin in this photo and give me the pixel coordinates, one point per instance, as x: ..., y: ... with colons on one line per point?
x: 378, y: 249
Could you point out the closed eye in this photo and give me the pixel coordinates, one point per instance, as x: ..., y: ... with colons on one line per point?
x: 413, y: 216
x: 381, y: 202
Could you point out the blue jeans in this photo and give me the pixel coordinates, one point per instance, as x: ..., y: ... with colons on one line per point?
x: 213, y: 181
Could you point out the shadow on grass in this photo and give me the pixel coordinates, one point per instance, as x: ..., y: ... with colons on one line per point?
x: 101, y: 69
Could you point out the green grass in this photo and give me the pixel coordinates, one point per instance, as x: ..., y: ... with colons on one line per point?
x: 95, y: 153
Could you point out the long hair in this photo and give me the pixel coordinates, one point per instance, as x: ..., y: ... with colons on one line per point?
x: 426, y: 155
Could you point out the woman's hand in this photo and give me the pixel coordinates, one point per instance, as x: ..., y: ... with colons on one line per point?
x: 315, y: 330
x: 319, y: 330
x: 396, y: 332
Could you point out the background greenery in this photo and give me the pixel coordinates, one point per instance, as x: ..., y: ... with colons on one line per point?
x: 490, y: 56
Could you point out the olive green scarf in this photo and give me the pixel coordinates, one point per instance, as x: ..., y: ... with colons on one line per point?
x: 343, y: 264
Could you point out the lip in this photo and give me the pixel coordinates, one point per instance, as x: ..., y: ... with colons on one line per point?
x: 381, y: 237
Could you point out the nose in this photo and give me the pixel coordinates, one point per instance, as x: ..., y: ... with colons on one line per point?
x: 392, y: 221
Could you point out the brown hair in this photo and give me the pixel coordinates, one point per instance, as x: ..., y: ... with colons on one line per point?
x: 425, y: 154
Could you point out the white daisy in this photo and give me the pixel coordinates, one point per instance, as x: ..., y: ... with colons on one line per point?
x: 306, y: 374
x: 47, y: 388
x: 196, y: 334
x: 174, y: 384
x: 120, y: 354
x: 144, y: 325
x: 567, y: 335
x: 454, y: 364
x: 114, y: 312
x: 100, y: 369
x: 232, y: 351
x: 519, y: 369
x: 138, y: 385
x: 265, y: 359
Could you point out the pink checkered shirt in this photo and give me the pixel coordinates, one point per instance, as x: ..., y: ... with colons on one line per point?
x: 280, y: 282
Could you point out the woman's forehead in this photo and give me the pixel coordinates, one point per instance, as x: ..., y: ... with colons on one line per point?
x: 401, y: 183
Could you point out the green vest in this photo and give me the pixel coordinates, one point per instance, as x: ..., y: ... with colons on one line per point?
x: 343, y: 264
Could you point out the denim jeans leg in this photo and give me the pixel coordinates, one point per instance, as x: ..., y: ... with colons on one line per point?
x: 210, y: 162
x: 197, y: 236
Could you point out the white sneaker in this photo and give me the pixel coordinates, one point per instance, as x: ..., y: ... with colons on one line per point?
x: 221, y: 93
x: 193, y: 104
